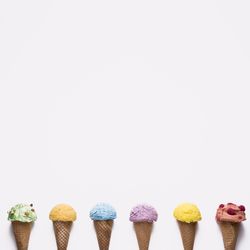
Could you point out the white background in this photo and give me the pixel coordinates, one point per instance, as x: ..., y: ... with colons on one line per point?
x: 124, y: 102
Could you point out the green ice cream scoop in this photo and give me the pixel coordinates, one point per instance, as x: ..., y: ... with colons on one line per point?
x: 22, y: 213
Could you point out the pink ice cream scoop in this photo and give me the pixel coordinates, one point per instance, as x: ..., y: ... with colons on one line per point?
x: 230, y: 213
x: 143, y: 213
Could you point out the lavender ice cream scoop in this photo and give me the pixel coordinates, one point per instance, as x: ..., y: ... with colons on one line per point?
x: 143, y: 213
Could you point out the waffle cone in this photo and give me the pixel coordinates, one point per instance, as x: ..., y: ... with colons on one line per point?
x: 143, y: 233
x: 22, y: 232
x: 230, y: 234
x: 187, y: 231
x: 103, y: 229
x: 62, y: 232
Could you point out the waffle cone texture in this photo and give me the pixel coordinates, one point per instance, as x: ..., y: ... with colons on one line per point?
x: 103, y: 229
x: 187, y: 231
x: 143, y: 232
x: 229, y: 232
x: 22, y: 232
x: 62, y: 231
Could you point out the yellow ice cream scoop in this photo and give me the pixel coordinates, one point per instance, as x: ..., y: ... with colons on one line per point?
x: 187, y: 212
x: 62, y: 212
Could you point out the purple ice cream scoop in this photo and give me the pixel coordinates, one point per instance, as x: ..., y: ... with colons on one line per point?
x: 143, y: 213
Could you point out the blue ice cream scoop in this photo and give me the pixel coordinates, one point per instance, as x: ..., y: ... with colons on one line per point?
x: 103, y: 211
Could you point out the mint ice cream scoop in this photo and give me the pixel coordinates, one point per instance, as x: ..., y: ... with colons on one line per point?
x: 103, y: 211
x: 22, y: 213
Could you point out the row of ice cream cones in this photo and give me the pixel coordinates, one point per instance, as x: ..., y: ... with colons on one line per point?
x: 143, y: 216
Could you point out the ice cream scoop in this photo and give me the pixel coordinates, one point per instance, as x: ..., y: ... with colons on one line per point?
x: 229, y: 216
x: 62, y: 212
x: 187, y: 216
x: 231, y: 213
x: 143, y: 213
x: 62, y: 216
x: 103, y: 216
x: 22, y: 217
x: 22, y: 213
x: 103, y: 211
x: 143, y: 216
x: 187, y: 212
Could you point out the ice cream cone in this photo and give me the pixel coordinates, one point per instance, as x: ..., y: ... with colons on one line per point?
x: 62, y: 216
x: 143, y: 216
x: 22, y: 232
x: 229, y: 232
x: 187, y: 216
x: 229, y: 217
x: 187, y: 231
x: 103, y: 216
x: 103, y: 230
x: 62, y: 232
x: 143, y: 234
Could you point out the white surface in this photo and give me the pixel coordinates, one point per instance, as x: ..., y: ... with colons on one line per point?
x: 124, y: 102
